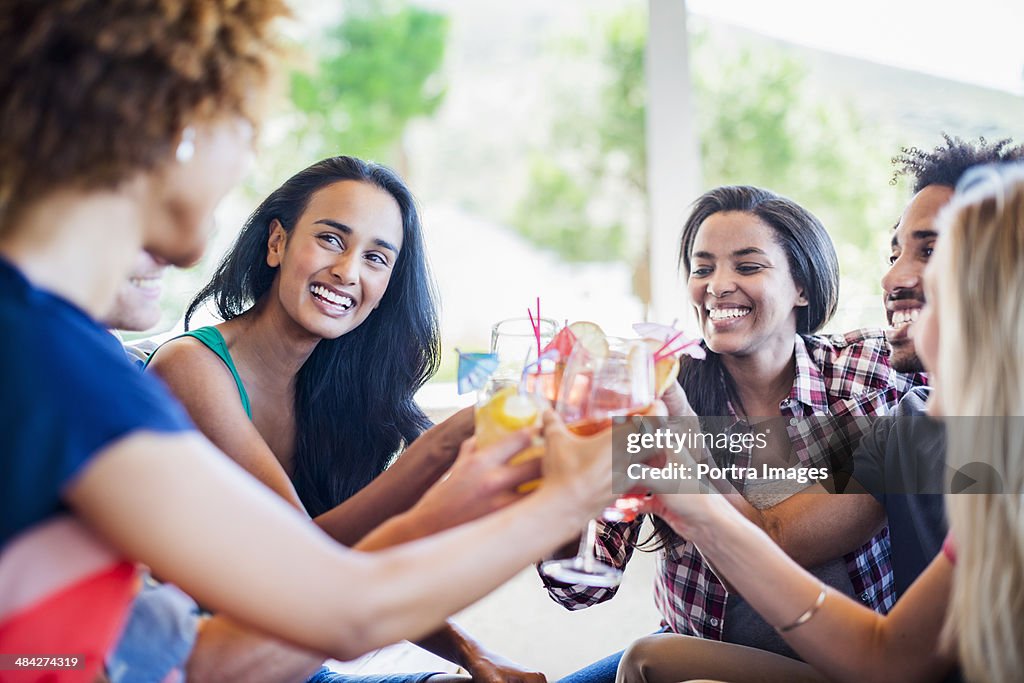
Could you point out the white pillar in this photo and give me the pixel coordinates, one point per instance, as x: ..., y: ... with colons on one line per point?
x: 673, y: 156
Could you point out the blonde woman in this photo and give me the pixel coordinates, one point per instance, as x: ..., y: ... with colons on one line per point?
x: 967, y: 608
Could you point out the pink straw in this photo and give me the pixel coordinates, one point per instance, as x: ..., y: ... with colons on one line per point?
x: 660, y: 353
x: 536, y: 332
x: 535, y: 324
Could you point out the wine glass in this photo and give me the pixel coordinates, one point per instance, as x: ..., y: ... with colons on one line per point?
x: 598, y: 384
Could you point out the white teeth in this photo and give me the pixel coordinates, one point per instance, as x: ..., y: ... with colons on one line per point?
x: 727, y: 313
x: 346, y: 302
x: 145, y: 282
x: 900, y: 318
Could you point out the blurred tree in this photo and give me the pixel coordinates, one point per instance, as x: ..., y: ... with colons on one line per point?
x: 374, y: 72
x: 758, y: 124
x: 557, y: 217
x: 595, y: 148
x: 368, y: 76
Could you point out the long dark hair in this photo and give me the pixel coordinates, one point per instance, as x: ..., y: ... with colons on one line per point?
x: 354, y: 407
x: 813, y: 265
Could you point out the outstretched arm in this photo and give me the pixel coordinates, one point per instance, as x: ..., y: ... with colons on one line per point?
x: 203, y: 384
x: 226, y: 652
x: 843, y: 638
x: 181, y: 507
x: 816, y: 526
x: 400, y: 486
x: 812, y: 527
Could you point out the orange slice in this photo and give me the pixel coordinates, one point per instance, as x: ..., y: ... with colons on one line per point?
x: 666, y: 371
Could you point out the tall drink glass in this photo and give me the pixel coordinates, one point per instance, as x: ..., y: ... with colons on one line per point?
x: 515, y: 344
x: 509, y: 401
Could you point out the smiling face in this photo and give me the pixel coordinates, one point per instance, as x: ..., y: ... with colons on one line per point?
x: 336, y: 263
x: 904, y: 294
x: 137, y: 307
x: 741, y: 286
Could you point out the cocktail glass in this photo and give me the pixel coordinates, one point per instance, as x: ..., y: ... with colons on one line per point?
x: 595, y: 388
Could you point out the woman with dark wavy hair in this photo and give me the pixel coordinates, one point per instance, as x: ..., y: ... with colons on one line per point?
x: 763, y: 278
x: 330, y: 327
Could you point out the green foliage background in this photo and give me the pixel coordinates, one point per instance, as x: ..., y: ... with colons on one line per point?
x: 364, y: 78
x: 759, y: 123
x: 375, y: 72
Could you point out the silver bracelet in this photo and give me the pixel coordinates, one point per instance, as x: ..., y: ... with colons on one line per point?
x: 808, y: 615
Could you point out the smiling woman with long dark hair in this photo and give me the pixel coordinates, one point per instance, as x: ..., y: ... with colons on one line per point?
x: 763, y: 278
x: 329, y: 328
x: 353, y: 395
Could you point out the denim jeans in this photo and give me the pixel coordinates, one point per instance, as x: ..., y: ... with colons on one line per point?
x: 158, y: 637
x: 325, y: 675
x: 601, y: 671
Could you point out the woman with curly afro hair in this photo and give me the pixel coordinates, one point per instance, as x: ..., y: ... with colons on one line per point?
x: 122, y: 125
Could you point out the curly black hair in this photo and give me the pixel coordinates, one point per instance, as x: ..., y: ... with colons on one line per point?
x: 945, y: 164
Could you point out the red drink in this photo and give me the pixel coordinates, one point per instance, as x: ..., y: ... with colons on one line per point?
x: 625, y: 508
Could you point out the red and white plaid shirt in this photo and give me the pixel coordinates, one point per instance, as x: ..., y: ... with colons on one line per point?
x: 838, y: 378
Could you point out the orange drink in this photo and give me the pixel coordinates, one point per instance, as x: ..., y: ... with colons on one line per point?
x: 545, y: 383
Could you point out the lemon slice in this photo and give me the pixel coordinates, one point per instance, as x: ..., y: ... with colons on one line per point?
x: 591, y: 337
x: 666, y: 370
x: 513, y: 410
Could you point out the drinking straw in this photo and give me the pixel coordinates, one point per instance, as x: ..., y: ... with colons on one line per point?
x: 536, y: 331
x: 660, y: 353
x: 536, y: 325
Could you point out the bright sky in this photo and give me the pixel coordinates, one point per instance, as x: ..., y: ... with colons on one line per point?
x: 977, y: 41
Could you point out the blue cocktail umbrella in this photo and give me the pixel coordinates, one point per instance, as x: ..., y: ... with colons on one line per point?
x: 475, y: 369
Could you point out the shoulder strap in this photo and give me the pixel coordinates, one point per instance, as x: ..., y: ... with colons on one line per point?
x: 214, y: 340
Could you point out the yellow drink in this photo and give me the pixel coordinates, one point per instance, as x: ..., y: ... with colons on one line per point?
x: 505, y: 412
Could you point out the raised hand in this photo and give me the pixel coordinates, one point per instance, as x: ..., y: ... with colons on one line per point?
x: 481, y: 481
x: 441, y: 443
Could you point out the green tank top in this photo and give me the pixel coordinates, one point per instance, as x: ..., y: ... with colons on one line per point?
x: 214, y: 340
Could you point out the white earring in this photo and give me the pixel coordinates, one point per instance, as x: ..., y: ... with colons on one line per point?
x: 187, y: 147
